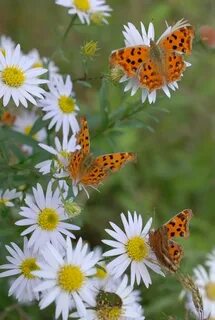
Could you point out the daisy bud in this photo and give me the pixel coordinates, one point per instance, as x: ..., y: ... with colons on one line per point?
x: 89, y: 49
x: 116, y: 74
x: 72, y: 208
x: 97, y: 18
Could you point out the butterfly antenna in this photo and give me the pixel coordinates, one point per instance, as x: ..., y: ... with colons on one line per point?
x: 87, y: 193
x: 95, y: 188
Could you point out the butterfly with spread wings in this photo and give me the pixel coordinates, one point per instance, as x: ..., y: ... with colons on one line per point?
x: 168, y: 252
x: 159, y: 63
x: 87, y: 170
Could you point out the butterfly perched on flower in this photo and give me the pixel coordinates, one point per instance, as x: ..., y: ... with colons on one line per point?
x: 87, y: 170
x: 153, y: 65
x: 168, y: 252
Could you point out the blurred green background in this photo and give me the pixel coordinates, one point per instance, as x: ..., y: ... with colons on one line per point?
x: 174, y: 139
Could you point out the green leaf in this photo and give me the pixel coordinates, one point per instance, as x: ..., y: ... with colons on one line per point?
x: 104, y: 100
x: 38, y: 125
x: 8, y: 135
x: 84, y: 83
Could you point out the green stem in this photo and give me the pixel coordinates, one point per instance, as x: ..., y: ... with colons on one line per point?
x: 69, y: 27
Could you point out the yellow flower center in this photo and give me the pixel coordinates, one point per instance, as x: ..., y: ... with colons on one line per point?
x: 66, y: 104
x: 82, y: 5
x: 70, y: 278
x: 210, y: 290
x: 27, y: 131
x: 108, y: 306
x: 3, y: 201
x: 137, y: 248
x: 101, y: 272
x: 27, y: 266
x: 13, y: 76
x: 97, y: 18
x: 48, y: 219
x: 37, y: 64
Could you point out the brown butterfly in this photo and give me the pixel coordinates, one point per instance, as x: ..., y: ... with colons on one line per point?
x: 159, y: 63
x: 87, y: 170
x: 168, y: 252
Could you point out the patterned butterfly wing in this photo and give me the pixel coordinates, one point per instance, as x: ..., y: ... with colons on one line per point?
x: 114, y: 161
x: 174, y: 66
x: 94, y: 176
x: 175, y: 253
x: 83, y: 138
x: 168, y: 253
x: 178, y: 226
x: 77, y: 157
x: 150, y: 75
x: 129, y: 59
x: 103, y: 165
x: 179, y: 40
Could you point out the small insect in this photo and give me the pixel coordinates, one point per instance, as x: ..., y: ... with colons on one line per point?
x: 160, y: 63
x: 87, y: 170
x: 168, y: 252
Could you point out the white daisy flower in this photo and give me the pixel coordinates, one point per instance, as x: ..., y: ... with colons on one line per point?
x: 7, y: 195
x: 22, y: 263
x: 6, y: 42
x: 18, y: 80
x: 210, y: 262
x: 61, y: 154
x: 133, y: 37
x: 115, y: 300
x: 43, y: 62
x: 66, y: 278
x: 24, y: 123
x: 44, y: 215
x: 131, y: 247
x: 60, y: 106
x: 87, y: 10
x: 206, y: 284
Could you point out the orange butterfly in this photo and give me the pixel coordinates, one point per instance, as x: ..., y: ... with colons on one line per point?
x: 86, y: 170
x: 160, y: 63
x: 168, y: 252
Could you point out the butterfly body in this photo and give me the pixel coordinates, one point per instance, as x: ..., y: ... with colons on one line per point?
x: 168, y: 252
x: 87, y: 170
x: 159, y: 63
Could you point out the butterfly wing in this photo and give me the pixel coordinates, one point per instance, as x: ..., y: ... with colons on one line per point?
x: 175, y: 253
x: 83, y: 138
x: 178, y: 226
x: 179, y: 39
x: 174, y: 66
x: 168, y: 253
x: 77, y: 157
x: 150, y: 76
x: 114, y: 161
x: 103, y: 165
x: 129, y: 59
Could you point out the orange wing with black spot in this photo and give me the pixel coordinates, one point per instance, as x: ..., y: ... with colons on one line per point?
x: 179, y: 40
x: 129, y: 59
x: 77, y: 157
x: 178, y: 226
x: 174, y: 66
x: 114, y: 161
x: 150, y: 76
x: 83, y: 137
x: 103, y: 165
x: 168, y: 252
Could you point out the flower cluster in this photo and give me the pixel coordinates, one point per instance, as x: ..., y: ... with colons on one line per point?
x: 53, y: 266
